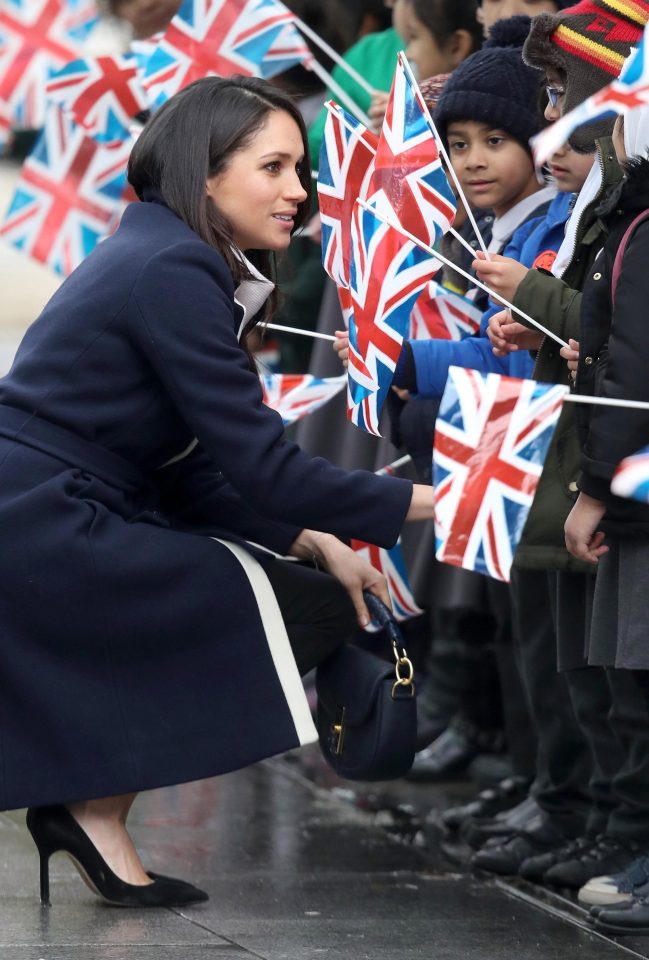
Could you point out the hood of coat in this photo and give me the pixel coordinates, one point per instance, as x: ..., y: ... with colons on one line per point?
x: 631, y: 195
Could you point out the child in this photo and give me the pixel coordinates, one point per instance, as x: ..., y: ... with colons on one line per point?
x: 619, y: 819
x: 440, y: 35
x: 614, y: 348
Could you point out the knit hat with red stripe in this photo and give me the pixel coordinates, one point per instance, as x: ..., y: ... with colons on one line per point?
x: 587, y: 44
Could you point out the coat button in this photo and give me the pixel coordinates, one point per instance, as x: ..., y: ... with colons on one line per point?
x: 588, y: 361
x: 597, y: 276
x: 572, y: 486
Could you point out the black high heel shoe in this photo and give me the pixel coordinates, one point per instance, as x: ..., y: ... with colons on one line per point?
x: 55, y: 830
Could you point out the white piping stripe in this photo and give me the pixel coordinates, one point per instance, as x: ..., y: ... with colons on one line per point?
x: 278, y: 643
x: 181, y: 456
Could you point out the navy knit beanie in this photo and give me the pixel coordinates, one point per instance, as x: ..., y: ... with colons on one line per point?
x: 494, y: 86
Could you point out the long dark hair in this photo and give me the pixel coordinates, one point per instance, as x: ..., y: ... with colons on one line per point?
x: 444, y: 17
x: 191, y: 138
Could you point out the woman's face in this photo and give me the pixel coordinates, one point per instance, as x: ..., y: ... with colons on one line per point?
x: 260, y: 190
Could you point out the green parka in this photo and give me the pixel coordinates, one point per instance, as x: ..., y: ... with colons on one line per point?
x: 556, y: 304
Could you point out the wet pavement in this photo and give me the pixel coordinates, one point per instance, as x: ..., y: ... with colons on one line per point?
x: 295, y: 869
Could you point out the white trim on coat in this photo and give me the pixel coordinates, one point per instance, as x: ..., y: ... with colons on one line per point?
x: 278, y: 643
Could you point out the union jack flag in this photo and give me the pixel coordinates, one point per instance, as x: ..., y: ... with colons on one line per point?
x: 491, y: 438
x: 440, y: 314
x: 37, y: 37
x: 68, y: 197
x: 408, y: 181
x: 294, y: 396
x: 346, y: 156
x: 631, y: 479
x: 387, y: 274
x: 391, y: 564
x: 102, y: 95
x: 287, y: 50
x: 218, y: 37
x: 628, y: 91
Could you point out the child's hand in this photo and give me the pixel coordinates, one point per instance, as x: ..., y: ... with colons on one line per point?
x: 501, y: 274
x: 571, y: 354
x: 507, y: 336
x: 341, y: 346
x: 377, y: 109
x: 583, y: 539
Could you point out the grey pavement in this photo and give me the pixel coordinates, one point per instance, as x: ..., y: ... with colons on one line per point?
x: 294, y: 872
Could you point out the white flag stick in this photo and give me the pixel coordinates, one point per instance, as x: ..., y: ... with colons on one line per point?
x: 463, y: 273
x: 391, y: 467
x: 338, y: 91
x: 607, y: 401
x: 335, y: 56
x: 442, y: 150
x: 303, y: 333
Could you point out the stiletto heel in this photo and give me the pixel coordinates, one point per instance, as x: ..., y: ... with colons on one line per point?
x: 55, y: 830
x: 45, y: 879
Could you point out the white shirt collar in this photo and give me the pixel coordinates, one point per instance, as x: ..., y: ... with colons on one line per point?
x: 251, y: 295
x: 503, y: 227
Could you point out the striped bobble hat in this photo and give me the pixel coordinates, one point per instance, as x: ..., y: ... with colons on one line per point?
x: 587, y: 44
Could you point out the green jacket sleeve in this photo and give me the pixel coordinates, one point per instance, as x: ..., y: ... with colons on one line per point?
x: 549, y: 300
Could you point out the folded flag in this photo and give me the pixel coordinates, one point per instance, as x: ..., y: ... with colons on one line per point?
x: 491, y: 438
x: 346, y: 156
x: 631, y: 479
x: 408, y: 180
x: 387, y: 274
x: 294, y: 396
x: 37, y: 38
x: 440, y: 314
x: 102, y: 95
x: 391, y: 564
x: 219, y: 38
x: 628, y: 91
x: 69, y: 195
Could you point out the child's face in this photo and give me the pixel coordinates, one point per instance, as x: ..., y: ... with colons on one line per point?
x: 570, y: 169
x: 495, y: 171
x: 399, y: 15
x: 422, y: 49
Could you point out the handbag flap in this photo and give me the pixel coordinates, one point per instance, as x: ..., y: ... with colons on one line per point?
x: 350, y: 678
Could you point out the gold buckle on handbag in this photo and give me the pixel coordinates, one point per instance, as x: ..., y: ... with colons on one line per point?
x: 403, y: 679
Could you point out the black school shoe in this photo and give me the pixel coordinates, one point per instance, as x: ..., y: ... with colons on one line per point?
x: 535, y: 868
x: 606, y: 856
x: 505, y: 795
x: 506, y: 858
x: 479, y: 831
x: 625, y: 918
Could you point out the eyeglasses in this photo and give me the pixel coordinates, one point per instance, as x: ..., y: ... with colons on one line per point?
x: 554, y: 94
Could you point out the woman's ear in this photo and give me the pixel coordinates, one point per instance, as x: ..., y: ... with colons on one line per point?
x: 460, y: 45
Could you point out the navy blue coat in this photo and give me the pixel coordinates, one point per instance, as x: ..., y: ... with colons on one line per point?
x: 137, y: 650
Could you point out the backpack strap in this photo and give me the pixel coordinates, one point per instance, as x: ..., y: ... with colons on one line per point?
x: 619, y: 256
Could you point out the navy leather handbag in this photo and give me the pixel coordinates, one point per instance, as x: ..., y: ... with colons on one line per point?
x: 367, y: 716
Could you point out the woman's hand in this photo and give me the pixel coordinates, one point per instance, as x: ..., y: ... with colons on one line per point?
x: 377, y: 109
x: 343, y: 563
x: 571, y: 354
x: 583, y: 539
x: 507, y: 336
x: 501, y: 274
x: 341, y: 346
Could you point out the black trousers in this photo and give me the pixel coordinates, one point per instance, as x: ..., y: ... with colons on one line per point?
x: 316, y: 608
x: 563, y: 761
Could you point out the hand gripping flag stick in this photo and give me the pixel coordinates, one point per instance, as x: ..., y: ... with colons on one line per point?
x: 358, y: 133
x: 463, y: 273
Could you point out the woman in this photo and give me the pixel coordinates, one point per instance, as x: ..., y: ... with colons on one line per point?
x: 144, y: 640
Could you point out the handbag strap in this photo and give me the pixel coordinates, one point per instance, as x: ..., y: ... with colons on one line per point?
x: 619, y: 256
x: 380, y: 614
